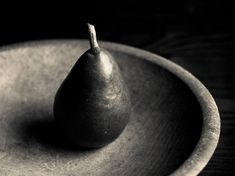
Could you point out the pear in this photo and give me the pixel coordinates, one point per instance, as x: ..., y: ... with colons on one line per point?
x: 92, y: 105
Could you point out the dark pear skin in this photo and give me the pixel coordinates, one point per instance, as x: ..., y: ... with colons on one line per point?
x: 92, y: 105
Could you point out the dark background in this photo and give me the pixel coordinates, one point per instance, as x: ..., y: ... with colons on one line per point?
x: 199, y: 35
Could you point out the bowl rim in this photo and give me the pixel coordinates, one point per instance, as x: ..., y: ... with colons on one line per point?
x: 209, y: 138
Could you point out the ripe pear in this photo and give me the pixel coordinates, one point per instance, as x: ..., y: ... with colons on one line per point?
x: 92, y: 105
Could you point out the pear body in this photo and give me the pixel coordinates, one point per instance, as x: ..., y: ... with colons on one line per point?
x: 92, y: 105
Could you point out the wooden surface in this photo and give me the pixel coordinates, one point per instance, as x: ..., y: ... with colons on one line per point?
x: 163, y: 131
x: 210, y: 57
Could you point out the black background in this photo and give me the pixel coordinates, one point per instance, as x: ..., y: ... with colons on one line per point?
x: 199, y: 35
x: 115, y: 20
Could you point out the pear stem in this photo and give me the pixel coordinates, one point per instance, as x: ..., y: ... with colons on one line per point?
x: 92, y: 39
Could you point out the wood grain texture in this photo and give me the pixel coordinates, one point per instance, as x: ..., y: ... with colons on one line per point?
x: 163, y: 131
x: 210, y: 57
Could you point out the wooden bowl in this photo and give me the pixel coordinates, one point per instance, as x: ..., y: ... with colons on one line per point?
x: 173, y: 130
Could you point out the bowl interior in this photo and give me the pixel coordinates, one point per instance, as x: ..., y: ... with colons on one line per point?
x: 164, y: 128
x: 167, y: 117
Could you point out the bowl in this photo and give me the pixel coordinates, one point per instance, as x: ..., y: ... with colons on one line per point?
x: 173, y: 130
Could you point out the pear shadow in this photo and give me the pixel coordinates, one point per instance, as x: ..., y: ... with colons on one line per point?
x: 47, y: 133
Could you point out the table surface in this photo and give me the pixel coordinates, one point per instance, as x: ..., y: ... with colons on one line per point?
x: 211, y: 59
